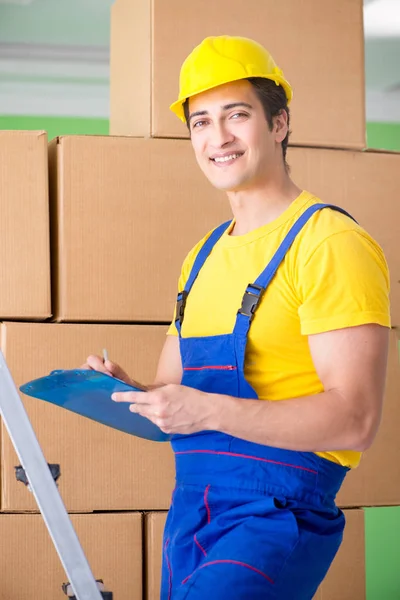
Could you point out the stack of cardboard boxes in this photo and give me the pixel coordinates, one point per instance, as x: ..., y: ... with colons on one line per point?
x: 123, y: 212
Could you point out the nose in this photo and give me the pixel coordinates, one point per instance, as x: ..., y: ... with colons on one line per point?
x: 221, y: 135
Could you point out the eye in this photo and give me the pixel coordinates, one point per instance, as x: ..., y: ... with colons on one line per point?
x: 238, y: 115
x: 198, y: 124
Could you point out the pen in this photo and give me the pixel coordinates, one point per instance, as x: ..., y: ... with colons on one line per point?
x: 105, y: 355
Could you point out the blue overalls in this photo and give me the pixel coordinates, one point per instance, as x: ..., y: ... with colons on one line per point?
x: 246, y: 521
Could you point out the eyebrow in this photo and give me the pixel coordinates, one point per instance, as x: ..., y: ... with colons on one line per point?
x: 202, y: 113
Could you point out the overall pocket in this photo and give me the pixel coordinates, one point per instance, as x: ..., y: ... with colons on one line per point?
x: 247, y: 531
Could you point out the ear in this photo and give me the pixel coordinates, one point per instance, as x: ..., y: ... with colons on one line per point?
x: 281, y: 125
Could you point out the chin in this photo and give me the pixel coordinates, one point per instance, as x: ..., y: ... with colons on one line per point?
x: 227, y: 184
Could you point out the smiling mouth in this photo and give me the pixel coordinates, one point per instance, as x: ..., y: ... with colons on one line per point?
x: 228, y: 159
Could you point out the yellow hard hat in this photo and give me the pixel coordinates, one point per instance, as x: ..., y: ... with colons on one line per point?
x: 222, y: 59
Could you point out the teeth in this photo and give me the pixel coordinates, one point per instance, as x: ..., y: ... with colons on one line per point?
x: 221, y: 159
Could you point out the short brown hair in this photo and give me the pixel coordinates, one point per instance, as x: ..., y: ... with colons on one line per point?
x: 273, y: 100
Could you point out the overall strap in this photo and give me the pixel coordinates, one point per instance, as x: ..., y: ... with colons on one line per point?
x: 254, y: 291
x: 202, y: 256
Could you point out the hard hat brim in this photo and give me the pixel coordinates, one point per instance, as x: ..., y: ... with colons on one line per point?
x: 177, y: 106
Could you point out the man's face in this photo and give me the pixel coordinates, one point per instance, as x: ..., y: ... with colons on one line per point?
x: 231, y: 139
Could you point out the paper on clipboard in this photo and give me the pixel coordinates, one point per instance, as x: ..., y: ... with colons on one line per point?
x: 88, y: 393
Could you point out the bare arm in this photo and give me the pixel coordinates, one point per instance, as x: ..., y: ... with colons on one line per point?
x: 169, y: 368
x: 351, y: 364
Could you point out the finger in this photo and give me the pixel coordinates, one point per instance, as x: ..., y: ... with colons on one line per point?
x: 116, y: 371
x: 132, y: 397
x: 96, y: 363
x: 123, y: 397
x: 119, y: 373
x: 145, y: 410
x: 150, y: 412
x: 162, y: 423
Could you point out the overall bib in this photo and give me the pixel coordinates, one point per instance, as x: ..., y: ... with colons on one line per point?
x: 247, y: 521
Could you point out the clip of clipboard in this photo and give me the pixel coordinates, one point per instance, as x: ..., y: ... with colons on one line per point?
x: 88, y: 393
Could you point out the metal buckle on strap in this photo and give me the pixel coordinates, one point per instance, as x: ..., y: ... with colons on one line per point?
x: 180, y: 306
x: 250, y: 300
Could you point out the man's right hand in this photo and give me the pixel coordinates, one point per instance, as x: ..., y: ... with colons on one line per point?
x: 96, y: 363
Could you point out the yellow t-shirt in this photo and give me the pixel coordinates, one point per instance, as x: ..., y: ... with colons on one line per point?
x: 334, y: 276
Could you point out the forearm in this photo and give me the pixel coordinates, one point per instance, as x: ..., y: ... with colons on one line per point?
x: 322, y: 422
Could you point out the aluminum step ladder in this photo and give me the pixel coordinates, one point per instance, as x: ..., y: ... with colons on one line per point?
x: 82, y: 584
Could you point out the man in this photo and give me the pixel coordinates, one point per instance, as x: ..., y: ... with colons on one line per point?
x: 272, y: 376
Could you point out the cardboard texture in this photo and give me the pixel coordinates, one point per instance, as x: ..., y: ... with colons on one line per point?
x: 345, y: 579
x: 24, y: 226
x: 365, y: 184
x: 320, y: 49
x: 126, y: 211
x: 101, y: 468
x: 30, y: 567
x: 376, y: 481
x: 154, y: 524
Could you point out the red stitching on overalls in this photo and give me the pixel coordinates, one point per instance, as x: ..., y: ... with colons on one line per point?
x: 208, y: 519
x: 275, y: 462
x: 169, y: 569
x: 220, y: 367
x: 199, y: 545
x: 232, y: 562
x: 206, y: 503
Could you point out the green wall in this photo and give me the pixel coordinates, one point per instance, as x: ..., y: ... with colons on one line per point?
x: 56, y: 125
x: 382, y: 534
x: 385, y: 136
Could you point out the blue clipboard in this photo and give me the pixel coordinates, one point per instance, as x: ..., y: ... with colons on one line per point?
x: 88, y: 393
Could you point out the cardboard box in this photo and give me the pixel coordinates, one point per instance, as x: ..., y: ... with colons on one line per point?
x: 101, y: 468
x: 319, y: 46
x: 30, y: 567
x: 126, y: 211
x: 24, y: 226
x: 376, y: 481
x: 366, y: 185
x: 154, y: 524
x: 345, y: 579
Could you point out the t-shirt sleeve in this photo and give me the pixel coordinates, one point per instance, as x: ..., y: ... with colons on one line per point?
x: 344, y: 282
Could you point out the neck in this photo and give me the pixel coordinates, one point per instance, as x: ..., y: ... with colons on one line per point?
x: 261, y: 204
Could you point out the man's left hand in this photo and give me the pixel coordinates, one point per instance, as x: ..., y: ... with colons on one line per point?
x: 175, y: 409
